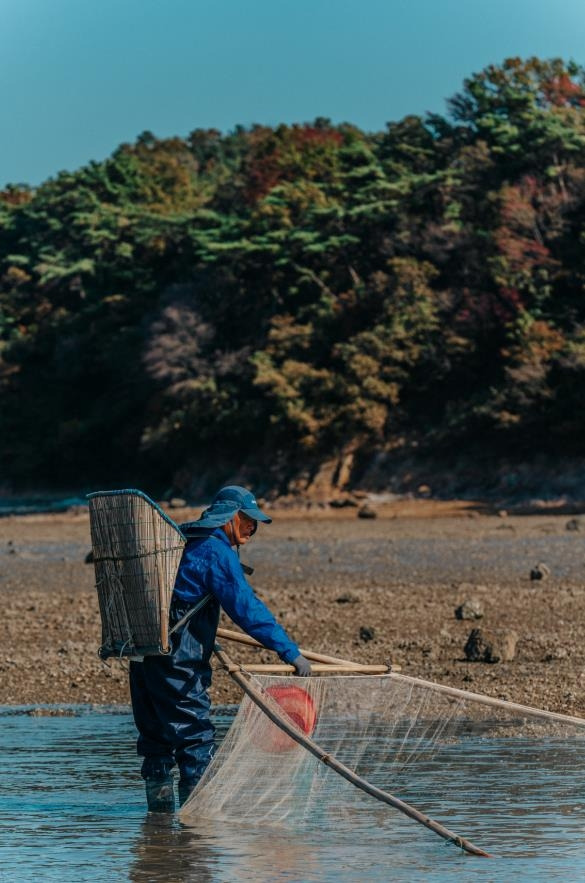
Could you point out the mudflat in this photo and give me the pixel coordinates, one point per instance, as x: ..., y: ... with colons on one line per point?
x: 371, y: 590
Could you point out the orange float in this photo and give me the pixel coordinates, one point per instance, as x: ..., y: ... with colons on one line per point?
x: 298, y: 706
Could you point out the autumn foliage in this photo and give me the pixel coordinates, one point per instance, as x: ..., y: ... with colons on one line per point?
x: 262, y: 299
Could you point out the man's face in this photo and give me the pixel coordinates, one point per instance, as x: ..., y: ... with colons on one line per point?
x: 244, y: 527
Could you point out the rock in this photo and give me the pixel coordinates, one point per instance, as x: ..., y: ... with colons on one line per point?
x: 470, y: 609
x: 573, y: 524
x: 557, y: 653
x: 367, y: 633
x: 366, y: 511
x: 342, y: 503
x: 502, y: 513
x: 177, y: 503
x: 490, y: 645
x: 541, y: 571
x: 347, y: 598
x: 423, y: 490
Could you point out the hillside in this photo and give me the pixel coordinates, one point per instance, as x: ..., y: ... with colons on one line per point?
x: 307, y: 306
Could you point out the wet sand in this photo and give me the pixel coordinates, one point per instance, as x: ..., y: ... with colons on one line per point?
x: 370, y: 590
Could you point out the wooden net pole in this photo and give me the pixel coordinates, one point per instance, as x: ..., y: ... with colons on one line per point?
x: 316, y: 668
x: 162, y: 602
x: 525, y: 710
x: 455, y: 692
x: 308, y: 654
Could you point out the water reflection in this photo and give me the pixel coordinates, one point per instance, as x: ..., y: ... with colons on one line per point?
x: 166, y: 851
x: 248, y: 853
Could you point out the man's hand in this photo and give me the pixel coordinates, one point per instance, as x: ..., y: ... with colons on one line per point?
x: 302, y: 666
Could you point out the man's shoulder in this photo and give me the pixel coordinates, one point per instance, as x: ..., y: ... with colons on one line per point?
x: 211, y: 547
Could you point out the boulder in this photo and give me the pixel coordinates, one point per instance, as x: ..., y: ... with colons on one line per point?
x: 573, y: 524
x: 491, y: 645
x: 366, y: 511
x: 347, y: 598
x: 470, y: 609
x: 541, y: 571
x: 343, y: 503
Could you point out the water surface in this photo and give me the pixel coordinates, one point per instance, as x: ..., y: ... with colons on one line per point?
x: 72, y: 809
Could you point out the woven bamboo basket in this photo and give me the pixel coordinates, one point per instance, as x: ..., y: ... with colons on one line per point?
x: 136, y: 553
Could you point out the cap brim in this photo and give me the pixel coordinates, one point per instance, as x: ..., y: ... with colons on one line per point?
x: 257, y: 515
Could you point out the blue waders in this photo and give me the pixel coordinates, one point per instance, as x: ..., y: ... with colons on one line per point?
x: 171, y: 705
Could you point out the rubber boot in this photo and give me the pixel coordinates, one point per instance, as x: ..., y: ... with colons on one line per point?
x: 185, y: 788
x: 160, y: 795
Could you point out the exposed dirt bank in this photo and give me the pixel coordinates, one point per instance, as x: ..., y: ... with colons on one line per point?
x: 333, y: 580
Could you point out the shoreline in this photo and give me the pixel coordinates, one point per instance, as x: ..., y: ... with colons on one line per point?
x: 334, y: 505
x: 327, y: 575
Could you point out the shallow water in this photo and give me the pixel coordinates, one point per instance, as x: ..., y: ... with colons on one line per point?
x: 72, y: 809
x: 33, y: 505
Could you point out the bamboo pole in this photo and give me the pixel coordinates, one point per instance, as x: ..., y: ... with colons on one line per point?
x: 288, y: 727
x: 316, y: 668
x: 491, y: 700
x: 441, y: 688
x: 308, y: 654
x: 164, y: 617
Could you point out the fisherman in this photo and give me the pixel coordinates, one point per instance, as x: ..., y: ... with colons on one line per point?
x: 169, y: 694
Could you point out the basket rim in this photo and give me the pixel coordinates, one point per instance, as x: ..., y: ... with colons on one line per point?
x: 137, y: 493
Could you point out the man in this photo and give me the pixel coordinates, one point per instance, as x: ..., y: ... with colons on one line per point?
x: 169, y: 693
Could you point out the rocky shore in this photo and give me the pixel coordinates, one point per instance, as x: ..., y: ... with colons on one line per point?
x: 377, y: 589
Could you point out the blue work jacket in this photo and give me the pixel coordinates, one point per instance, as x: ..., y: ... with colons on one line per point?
x: 210, y: 565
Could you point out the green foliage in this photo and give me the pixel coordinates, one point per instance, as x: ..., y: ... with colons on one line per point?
x: 272, y: 295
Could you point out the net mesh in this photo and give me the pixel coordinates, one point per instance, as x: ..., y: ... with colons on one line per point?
x: 403, y: 736
x: 136, y: 551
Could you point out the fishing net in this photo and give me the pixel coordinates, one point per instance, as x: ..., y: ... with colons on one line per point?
x: 419, y: 741
x: 136, y: 552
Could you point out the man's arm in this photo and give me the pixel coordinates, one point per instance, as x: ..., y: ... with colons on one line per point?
x: 236, y: 596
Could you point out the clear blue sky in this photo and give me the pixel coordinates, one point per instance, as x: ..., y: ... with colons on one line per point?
x: 78, y: 77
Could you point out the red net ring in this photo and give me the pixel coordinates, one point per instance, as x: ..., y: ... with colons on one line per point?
x: 297, y: 705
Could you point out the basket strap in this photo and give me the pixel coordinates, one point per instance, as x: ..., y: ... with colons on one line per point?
x: 247, y: 570
x: 191, y: 613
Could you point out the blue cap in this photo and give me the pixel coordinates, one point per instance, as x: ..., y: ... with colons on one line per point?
x: 225, y: 504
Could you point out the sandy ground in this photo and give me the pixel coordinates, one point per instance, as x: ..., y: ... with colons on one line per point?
x: 375, y: 590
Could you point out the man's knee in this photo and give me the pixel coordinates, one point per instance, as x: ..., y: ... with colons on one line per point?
x: 156, y: 768
x: 193, y: 759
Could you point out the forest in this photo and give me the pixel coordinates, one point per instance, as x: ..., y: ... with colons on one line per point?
x: 249, y: 306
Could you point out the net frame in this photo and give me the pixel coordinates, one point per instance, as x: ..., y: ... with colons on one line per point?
x: 412, y: 736
x: 137, y: 549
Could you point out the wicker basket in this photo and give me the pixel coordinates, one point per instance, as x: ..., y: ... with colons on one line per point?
x: 136, y: 552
